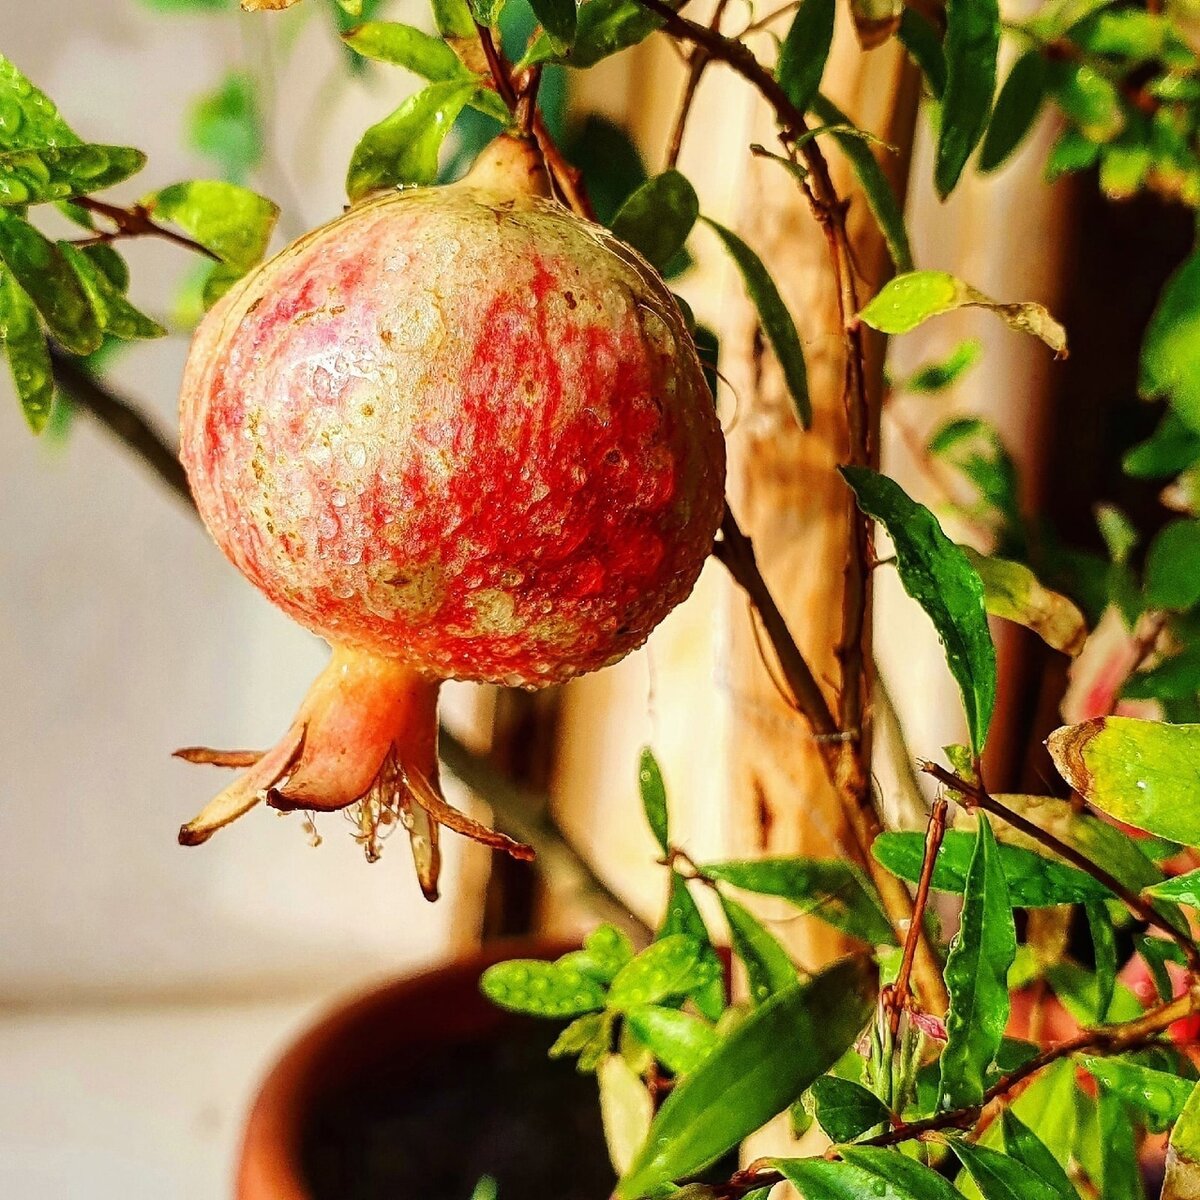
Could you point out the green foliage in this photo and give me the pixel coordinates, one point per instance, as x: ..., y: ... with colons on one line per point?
x: 1012, y: 591
x: 678, y: 1040
x: 604, y: 28
x: 818, y: 1179
x: 1023, y: 1145
x: 1173, y: 447
x: 559, y: 19
x: 769, y: 970
x: 541, y: 989
x: 1170, y: 364
x: 999, y: 1177
x: 654, y: 798
x: 1173, y: 567
x: 1159, y: 1096
x: 28, y: 354
x: 971, y: 45
x: 924, y: 46
x: 226, y: 125
x: 939, y: 375
x: 1017, y: 107
x: 973, y: 448
x: 936, y: 573
x: 658, y: 217
x: 804, y: 51
x: 913, y: 1179
x: 1182, y: 889
x: 683, y: 916
x: 845, y: 1109
x: 672, y: 966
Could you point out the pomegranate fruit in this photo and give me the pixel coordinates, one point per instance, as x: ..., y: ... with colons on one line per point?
x: 459, y: 433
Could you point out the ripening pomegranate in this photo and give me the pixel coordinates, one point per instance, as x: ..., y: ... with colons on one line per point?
x: 461, y: 434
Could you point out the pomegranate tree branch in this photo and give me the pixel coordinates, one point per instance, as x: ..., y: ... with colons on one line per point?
x: 133, y: 222
x: 697, y: 61
x: 978, y: 797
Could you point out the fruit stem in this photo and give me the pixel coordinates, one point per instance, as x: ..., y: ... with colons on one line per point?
x: 511, y: 167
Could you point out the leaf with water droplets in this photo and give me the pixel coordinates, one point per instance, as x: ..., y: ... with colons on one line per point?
x: 1183, y: 1153
x: 28, y: 118
x: 1158, y: 1095
x: 913, y: 1178
x: 28, y: 354
x: 115, y: 314
x: 541, y: 989
x: 1027, y: 1148
x: 46, y: 173
x: 605, y: 951
x: 999, y: 1177
x: 768, y: 967
x: 845, y: 1109
x: 817, y: 1179
x: 683, y: 916
x: 654, y: 799
x: 678, y: 1040
x: 231, y: 221
x: 672, y: 966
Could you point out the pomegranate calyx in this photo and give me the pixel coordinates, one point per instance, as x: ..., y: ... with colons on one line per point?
x: 510, y: 167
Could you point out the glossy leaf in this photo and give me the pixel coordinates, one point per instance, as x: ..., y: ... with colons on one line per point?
x: 114, y: 313
x: 679, y: 1041
x: 603, y: 28
x: 754, y: 1074
x: 1173, y: 567
x: 1170, y: 360
x: 830, y: 889
x: 1140, y: 772
x: 941, y: 374
x: 1104, y: 949
x: 658, y: 217
x: 936, y: 573
x: 924, y: 46
x: 672, y: 966
x: 977, y: 976
x: 776, y: 321
x: 405, y: 46
x: 654, y: 799
x: 971, y: 44
x: 1120, y: 1177
x: 1023, y: 1145
x: 626, y: 1109
x: 915, y: 1181
x: 559, y: 19
x: 768, y: 968
x: 683, y: 916
x: 1182, y: 889
x: 1033, y: 880
x: 1158, y: 1095
x: 46, y: 173
x: 1017, y: 106
x: 844, y: 1109
x: 26, y: 350
x: 231, y: 221
x: 804, y: 51
x: 911, y: 299
x: 999, y: 1177
x: 541, y: 989
x: 28, y: 117
x: 819, y: 1179
x: 606, y: 951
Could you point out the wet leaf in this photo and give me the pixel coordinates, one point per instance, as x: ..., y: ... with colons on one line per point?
x: 606, y: 950
x: 818, y: 1179
x: 937, y: 376
x: 684, y: 917
x: 231, y: 221
x: 559, y: 19
x: 764, y: 1064
x: 915, y: 1181
x: 1158, y: 1095
x: 1182, y: 889
x: 1017, y: 106
x: 27, y: 352
x: 1144, y: 773
x: 1183, y: 1153
x: 1104, y: 947
x: 541, y: 989
x: 1023, y: 1145
x: 672, y: 966
x: 47, y: 173
x: 227, y: 126
x: 1170, y: 361
x: 658, y: 217
x: 679, y: 1041
x: 804, y: 51
x: 924, y: 46
x: 1173, y: 567
x: 844, y: 1109
x: 977, y: 977
x: 911, y: 299
x: 936, y: 573
x: 114, y: 313
x: 654, y: 799
x: 769, y: 969
x: 1120, y: 1177
x: 999, y: 1177
x: 776, y: 321
x: 28, y: 117
x: 1033, y: 880
x: 971, y: 44
x: 626, y: 1108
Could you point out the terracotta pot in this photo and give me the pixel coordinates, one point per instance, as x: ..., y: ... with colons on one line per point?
x: 442, y: 1005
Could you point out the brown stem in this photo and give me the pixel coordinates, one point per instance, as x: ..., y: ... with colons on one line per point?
x: 526, y: 108
x: 1141, y: 907
x: 697, y: 61
x: 133, y: 222
x: 501, y: 76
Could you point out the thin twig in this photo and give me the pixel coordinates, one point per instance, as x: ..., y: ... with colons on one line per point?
x: 133, y: 222
x: 697, y: 60
x: 501, y: 76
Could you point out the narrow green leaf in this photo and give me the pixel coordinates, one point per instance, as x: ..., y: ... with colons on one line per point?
x: 1144, y: 773
x: 818, y: 1179
x: 46, y: 277
x: 1170, y: 362
x: 831, y: 889
x: 28, y: 117
x: 541, y: 989
x: 974, y: 449
x: 1120, y: 1177
x: 672, y: 966
x: 404, y: 46
x: 909, y: 300
x: 1022, y: 1144
x: 999, y: 1177
x: 936, y: 573
x: 773, y: 315
x: 1171, y: 448
x: 658, y: 217
x: 1156, y: 952
x: 805, y: 50
x: 938, y: 376
x: 1183, y: 1153
x: 844, y: 1109
x: 1182, y: 889
x: 683, y: 916
x: 769, y: 970
x: 559, y: 19
x: 1158, y: 1095
x: 977, y: 977
x: 971, y: 45
x: 1104, y: 946
x: 1033, y: 880
x: 924, y: 46
x: 114, y: 313
x: 46, y: 173
x: 28, y: 355
x: 1017, y: 106
x: 754, y: 1074
x: 1173, y: 567
x: 916, y: 1180
x: 654, y: 799
x: 403, y: 147
x: 679, y: 1041
x: 231, y: 221
x: 577, y: 1037
x: 453, y: 19
x: 881, y: 199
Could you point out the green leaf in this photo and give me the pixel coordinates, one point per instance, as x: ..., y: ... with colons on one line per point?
x: 1173, y: 567
x: 1120, y: 1177
x: 754, y: 1074
x: 844, y: 1109
x: 924, y: 46
x: 604, y: 28
x: 672, y: 966
x: 1156, y: 952
x: 114, y: 313
x: 658, y: 217
x: 1171, y: 448
x: 227, y: 126
x: 830, y: 889
x: 977, y: 977
x: 654, y: 799
x: 559, y: 19
x: 1013, y: 592
x: 1033, y: 880
x: 46, y: 277
x: 541, y: 989
x: 1017, y: 106
x: 1072, y: 152
x: 881, y: 199
x: 936, y: 573
x: 909, y: 300
x: 818, y: 1179
x: 971, y: 45
x: 606, y: 951
x: 944, y: 373
x: 974, y: 449
x: 626, y: 1109
x: 46, y: 173
x: 679, y: 1041
x: 1182, y: 889
x: 769, y: 970
x: 915, y: 1180
x: 1118, y: 531
x: 404, y: 46
x: 1104, y: 947
x: 1170, y: 362
x: 1023, y: 1145
x: 231, y: 221
x: 805, y: 50
x: 28, y: 117
x: 1183, y: 1153
x: 403, y: 147
x: 1088, y: 98
x: 773, y: 315
x: 580, y: 1036
x: 453, y: 19
x: 27, y: 352
x: 1144, y: 773
x: 1158, y: 1095
x: 999, y: 1177
x: 684, y: 917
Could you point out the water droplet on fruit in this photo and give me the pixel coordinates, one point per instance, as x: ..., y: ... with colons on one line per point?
x: 356, y: 454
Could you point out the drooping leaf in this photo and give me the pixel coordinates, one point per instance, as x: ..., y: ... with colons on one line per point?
x: 1170, y: 360
x: 683, y: 916
x: 999, y: 1177
x: 559, y: 20
x: 626, y: 1109
x: 1012, y: 591
x: 231, y: 221
x: 776, y: 321
x: 226, y: 124
x: 971, y: 45
x: 1183, y: 1153
x: 915, y: 1180
x: 671, y: 966
x: 541, y: 989
x: 28, y: 117
x: 936, y: 573
x: 755, y: 1073
x: 1023, y: 1145
x: 977, y: 976
x: 1173, y: 566
x: 679, y: 1041
x: 1017, y: 106
x: 804, y: 51
x: 114, y: 313
x: 1171, y: 448
x: 769, y: 970
x: 654, y: 799
x: 1144, y: 773
x: 46, y: 173
x: 845, y: 1109
x: 1104, y: 948
x: 924, y: 46
x: 908, y: 300
x: 26, y: 350
x: 939, y: 375
x: 403, y: 147
x: 658, y: 217
x: 1033, y: 880
x: 1158, y: 1095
